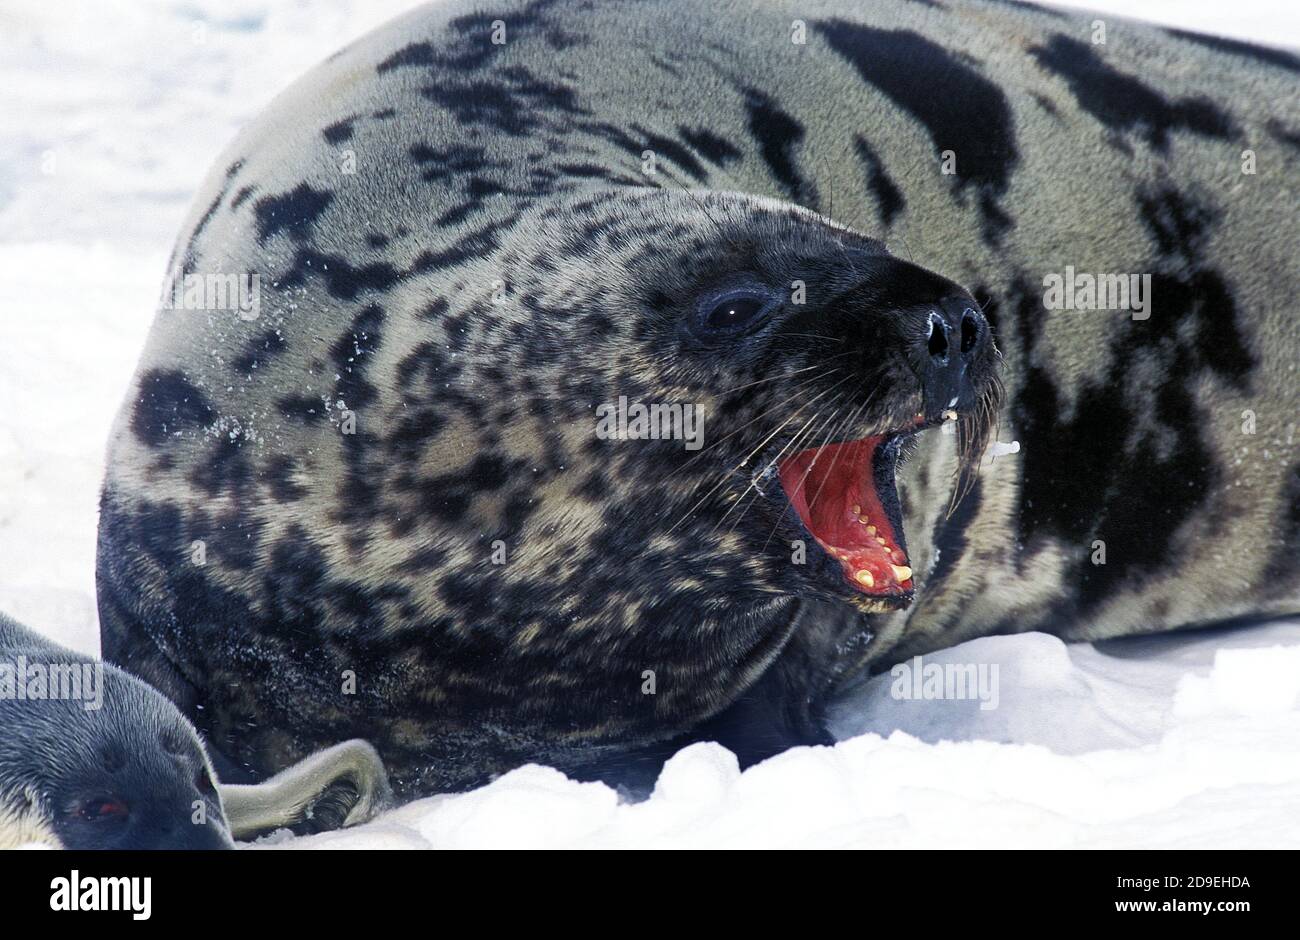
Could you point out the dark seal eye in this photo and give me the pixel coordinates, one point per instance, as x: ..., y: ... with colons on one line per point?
x: 736, y: 311
x: 203, y: 783
x: 103, y: 808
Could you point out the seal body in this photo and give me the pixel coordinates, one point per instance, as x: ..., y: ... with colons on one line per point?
x: 377, y: 502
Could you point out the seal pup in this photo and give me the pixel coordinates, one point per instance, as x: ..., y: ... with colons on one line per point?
x: 381, y: 505
x: 92, y: 758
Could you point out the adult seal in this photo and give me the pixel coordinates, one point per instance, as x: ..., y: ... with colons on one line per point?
x: 375, y: 501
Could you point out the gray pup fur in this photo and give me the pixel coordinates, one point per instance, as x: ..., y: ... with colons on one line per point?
x: 119, y: 767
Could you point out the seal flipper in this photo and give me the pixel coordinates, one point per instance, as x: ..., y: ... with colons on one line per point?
x: 343, y: 785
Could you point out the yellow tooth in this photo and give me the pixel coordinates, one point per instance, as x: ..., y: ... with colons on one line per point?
x: 881, y: 539
x: 864, y: 577
x: 871, y: 530
x: 901, y: 572
x: 856, y: 510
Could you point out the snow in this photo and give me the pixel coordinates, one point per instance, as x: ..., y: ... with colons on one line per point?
x: 1162, y: 742
x: 113, y: 110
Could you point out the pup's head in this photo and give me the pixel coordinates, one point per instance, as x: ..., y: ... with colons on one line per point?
x: 91, y: 758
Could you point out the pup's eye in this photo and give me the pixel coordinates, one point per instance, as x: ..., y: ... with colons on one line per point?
x: 103, y: 808
x: 204, y: 783
x: 736, y: 311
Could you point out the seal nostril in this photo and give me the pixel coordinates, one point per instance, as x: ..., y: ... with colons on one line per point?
x: 970, y: 330
x: 937, y: 342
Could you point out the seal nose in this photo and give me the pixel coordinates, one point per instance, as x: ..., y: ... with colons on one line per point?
x: 972, y: 328
x: 952, y: 339
x: 936, y: 342
x: 956, y: 322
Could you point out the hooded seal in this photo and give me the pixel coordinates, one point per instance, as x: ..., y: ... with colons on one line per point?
x: 411, y: 484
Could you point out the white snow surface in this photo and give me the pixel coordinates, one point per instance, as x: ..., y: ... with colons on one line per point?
x: 113, y: 110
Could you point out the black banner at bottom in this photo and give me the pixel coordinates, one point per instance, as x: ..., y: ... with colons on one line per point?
x: 252, y: 889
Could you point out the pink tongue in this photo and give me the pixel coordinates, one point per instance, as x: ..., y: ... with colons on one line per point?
x: 831, y: 488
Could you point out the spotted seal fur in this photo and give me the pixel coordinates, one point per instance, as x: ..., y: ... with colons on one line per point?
x: 378, y: 507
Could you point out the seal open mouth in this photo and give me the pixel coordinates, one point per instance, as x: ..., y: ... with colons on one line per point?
x: 846, y: 497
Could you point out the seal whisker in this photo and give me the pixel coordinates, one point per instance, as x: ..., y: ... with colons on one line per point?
x: 704, y: 450
x: 700, y: 204
x: 797, y: 413
x: 797, y: 391
x: 754, y: 498
x: 830, y: 216
x: 752, y: 453
x: 832, y: 339
x: 770, y: 378
x: 789, y: 445
x: 847, y: 422
x: 839, y: 429
x: 726, y: 475
x: 973, y: 435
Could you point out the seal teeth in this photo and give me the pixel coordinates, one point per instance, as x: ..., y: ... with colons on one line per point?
x: 864, y: 578
x: 901, y: 572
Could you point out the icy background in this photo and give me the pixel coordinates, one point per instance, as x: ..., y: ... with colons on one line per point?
x: 111, y: 112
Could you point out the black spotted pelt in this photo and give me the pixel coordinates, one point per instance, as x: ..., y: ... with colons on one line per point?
x: 465, y: 246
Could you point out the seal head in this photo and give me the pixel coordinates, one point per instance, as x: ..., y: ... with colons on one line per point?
x: 116, y: 768
x: 420, y: 482
x: 819, y: 357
